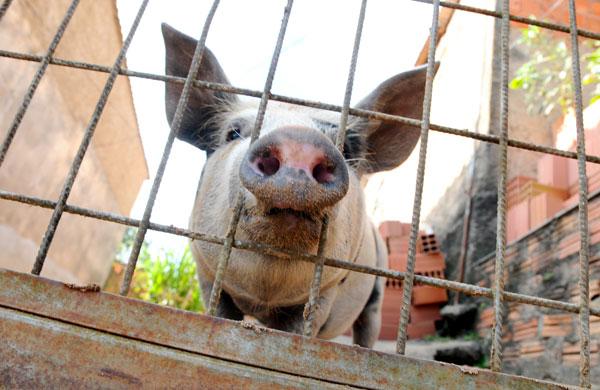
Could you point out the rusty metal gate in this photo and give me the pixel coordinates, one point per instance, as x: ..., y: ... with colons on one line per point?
x: 111, y: 331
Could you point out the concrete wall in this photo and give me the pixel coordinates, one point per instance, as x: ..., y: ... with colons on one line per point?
x: 462, y: 79
x: 51, y: 131
x: 466, y: 93
x: 447, y: 216
x: 539, y: 342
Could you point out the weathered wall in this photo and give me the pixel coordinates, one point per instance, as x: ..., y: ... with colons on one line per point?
x: 51, y: 131
x: 447, y: 217
x: 540, y: 342
x: 457, y: 89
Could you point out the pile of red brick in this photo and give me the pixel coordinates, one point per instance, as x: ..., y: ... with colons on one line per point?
x: 532, y: 201
x: 426, y: 300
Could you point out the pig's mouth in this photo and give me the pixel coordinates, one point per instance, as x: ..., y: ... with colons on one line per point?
x: 291, y: 214
x: 283, y: 227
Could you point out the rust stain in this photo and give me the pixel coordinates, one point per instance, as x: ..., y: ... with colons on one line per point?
x: 86, y: 288
x: 116, y: 374
x: 232, y: 341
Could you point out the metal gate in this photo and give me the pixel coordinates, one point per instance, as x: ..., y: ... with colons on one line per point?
x: 39, y: 315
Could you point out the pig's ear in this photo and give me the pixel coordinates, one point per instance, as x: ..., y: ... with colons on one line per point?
x: 197, y: 128
x: 388, y: 144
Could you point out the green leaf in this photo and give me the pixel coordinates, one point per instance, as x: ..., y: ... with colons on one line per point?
x: 516, y: 83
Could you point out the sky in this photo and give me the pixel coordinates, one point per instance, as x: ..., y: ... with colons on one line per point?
x: 313, y: 65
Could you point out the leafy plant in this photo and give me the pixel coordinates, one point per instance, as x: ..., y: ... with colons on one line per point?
x: 484, y: 362
x: 547, y: 76
x: 163, y: 277
x: 471, y: 336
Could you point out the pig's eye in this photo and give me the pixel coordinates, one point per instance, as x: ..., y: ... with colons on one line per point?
x: 234, y: 133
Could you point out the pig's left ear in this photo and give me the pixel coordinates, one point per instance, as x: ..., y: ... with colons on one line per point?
x: 197, y: 126
x: 388, y: 144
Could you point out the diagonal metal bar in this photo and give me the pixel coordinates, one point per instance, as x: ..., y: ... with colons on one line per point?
x: 584, y: 234
x: 515, y: 18
x: 37, y: 78
x: 496, y: 349
x: 341, y: 135
x: 4, y: 7
x: 407, y: 285
x: 311, y: 305
x: 85, y: 142
x: 287, y: 254
x: 239, y: 203
x: 493, y: 139
x: 175, y: 126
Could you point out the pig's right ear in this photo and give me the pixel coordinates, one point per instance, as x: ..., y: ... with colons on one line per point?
x: 197, y: 126
x: 388, y: 144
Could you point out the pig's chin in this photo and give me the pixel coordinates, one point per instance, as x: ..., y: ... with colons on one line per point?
x: 283, y: 227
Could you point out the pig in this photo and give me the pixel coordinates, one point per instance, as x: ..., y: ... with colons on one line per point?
x: 290, y: 178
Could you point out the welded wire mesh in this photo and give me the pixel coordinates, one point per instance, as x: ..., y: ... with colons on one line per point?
x: 497, y: 293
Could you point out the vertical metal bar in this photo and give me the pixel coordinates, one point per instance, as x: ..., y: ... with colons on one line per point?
x: 498, y: 290
x: 408, y: 282
x: 85, y: 142
x: 311, y: 305
x: 37, y: 78
x: 175, y: 126
x: 315, y: 286
x: 584, y: 237
x: 233, y: 223
x: 4, y: 7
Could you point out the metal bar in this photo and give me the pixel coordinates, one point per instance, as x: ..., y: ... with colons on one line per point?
x: 492, y: 139
x: 341, y: 134
x: 514, y: 18
x: 287, y: 254
x: 315, y: 287
x: 85, y: 142
x: 49, y: 356
x: 175, y: 125
x: 225, y: 254
x: 498, y: 291
x: 407, y: 284
x: 4, y: 7
x: 37, y: 78
x: 584, y: 234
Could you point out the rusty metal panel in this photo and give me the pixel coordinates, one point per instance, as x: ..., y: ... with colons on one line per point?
x: 243, y: 343
x: 39, y: 353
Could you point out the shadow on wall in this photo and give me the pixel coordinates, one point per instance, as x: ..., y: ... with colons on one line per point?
x: 46, y: 141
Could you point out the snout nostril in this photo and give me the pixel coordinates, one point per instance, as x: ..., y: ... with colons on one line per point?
x: 323, y: 173
x: 268, y: 165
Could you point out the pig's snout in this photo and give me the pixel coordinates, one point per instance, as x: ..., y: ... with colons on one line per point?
x: 295, y: 168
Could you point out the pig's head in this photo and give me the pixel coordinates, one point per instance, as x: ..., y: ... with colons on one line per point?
x: 293, y: 174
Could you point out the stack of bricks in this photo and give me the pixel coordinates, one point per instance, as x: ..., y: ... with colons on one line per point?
x: 426, y: 300
x: 528, y: 336
x: 533, y: 201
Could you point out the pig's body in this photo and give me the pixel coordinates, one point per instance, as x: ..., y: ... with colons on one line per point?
x: 269, y: 287
x: 289, y: 179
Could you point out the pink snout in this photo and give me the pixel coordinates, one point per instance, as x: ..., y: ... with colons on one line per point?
x: 296, y: 168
